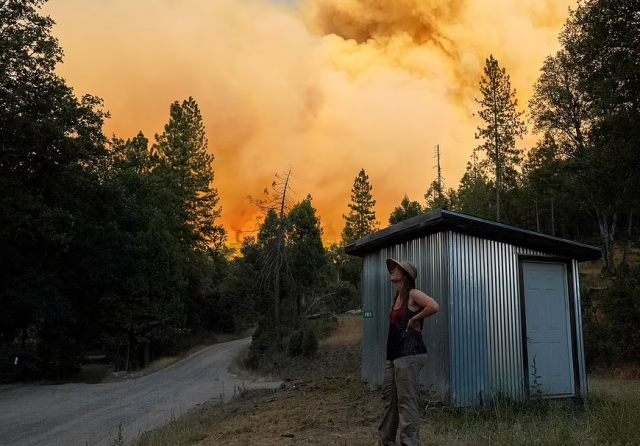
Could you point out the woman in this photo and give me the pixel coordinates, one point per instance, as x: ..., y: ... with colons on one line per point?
x: 406, y: 355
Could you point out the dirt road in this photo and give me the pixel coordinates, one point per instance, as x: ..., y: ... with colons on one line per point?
x: 90, y: 414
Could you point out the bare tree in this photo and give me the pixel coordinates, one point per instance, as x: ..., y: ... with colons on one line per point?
x: 277, y: 200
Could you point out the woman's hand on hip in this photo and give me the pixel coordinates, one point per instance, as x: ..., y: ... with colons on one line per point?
x: 414, y: 325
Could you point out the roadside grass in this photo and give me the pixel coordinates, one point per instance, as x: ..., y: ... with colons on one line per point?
x: 191, y: 346
x: 187, y: 347
x: 324, y: 402
x: 89, y: 374
x: 336, y: 357
x: 238, y: 369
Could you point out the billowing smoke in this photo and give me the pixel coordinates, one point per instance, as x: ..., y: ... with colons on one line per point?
x: 325, y: 86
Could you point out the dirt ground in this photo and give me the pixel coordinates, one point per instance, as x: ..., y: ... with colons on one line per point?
x: 324, y: 402
x: 332, y: 411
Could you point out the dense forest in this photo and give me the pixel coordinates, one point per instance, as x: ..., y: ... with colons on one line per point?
x: 111, y: 245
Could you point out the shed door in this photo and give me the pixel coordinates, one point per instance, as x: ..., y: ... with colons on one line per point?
x: 548, y: 329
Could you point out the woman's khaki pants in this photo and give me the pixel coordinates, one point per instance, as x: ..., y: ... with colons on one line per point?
x: 400, y: 391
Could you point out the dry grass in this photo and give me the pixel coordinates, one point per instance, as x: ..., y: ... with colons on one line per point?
x: 628, y: 372
x: 348, y: 332
x: 326, y: 412
x: 238, y: 369
x: 614, y: 388
x: 591, y: 273
x: 607, y: 417
x: 325, y: 403
x: 163, y: 363
x: 339, y: 355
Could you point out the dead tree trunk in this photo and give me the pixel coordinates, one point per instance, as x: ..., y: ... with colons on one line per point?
x: 126, y: 366
x: 607, y: 236
x: 498, y: 184
x: 628, y: 242
x: 23, y: 341
x: 147, y: 352
x: 280, y: 257
x: 553, y: 220
x: 276, y: 263
x: 276, y: 314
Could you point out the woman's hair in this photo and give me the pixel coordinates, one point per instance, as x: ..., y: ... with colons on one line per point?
x: 407, y: 285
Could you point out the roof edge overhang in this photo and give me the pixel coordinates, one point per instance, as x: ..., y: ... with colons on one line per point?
x: 440, y: 220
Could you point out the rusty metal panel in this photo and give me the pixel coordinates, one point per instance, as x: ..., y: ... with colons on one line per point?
x: 429, y: 255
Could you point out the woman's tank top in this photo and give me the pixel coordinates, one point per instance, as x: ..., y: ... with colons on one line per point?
x: 403, y: 341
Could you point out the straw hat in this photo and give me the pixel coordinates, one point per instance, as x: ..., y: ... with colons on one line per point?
x: 407, y: 267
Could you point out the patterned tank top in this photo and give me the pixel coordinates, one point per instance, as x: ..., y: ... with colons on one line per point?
x: 403, y: 341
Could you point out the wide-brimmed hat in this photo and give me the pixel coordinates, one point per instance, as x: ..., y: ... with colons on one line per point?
x: 407, y: 267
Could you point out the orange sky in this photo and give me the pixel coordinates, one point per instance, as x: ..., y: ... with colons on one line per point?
x: 325, y: 86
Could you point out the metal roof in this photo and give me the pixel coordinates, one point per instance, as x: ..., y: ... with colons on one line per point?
x: 442, y: 220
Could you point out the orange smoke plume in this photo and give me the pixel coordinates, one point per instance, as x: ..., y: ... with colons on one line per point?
x: 325, y: 86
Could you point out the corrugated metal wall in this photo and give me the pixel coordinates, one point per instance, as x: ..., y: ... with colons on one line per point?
x: 486, y: 333
x: 429, y: 256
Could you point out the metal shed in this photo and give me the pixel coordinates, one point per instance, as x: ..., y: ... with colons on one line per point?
x: 510, y: 319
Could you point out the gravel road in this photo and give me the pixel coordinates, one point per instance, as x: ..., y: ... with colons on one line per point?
x: 89, y: 414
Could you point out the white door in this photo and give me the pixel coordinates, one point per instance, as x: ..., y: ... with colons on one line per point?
x: 548, y: 329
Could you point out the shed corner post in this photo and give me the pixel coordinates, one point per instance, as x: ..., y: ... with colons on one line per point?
x: 583, y: 389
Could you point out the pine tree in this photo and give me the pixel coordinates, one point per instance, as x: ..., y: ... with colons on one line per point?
x: 498, y: 109
x: 133, y: 154
x: 406, y: 210
x: 183, y: 150
x: 361, y: 220
x: 474, y: 193
x: 436, y: 198
x: 308, y: 256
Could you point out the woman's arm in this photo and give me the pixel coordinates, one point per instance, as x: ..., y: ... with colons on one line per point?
x: 429, y: 308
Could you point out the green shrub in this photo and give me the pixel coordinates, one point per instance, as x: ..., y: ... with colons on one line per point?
x: 611, y: 333
x: 309, y: 343
x: 344, y: 296
x: 261, y: 343
x: 303, y: 342
x: 622, y: 304
x: 295, y: 343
